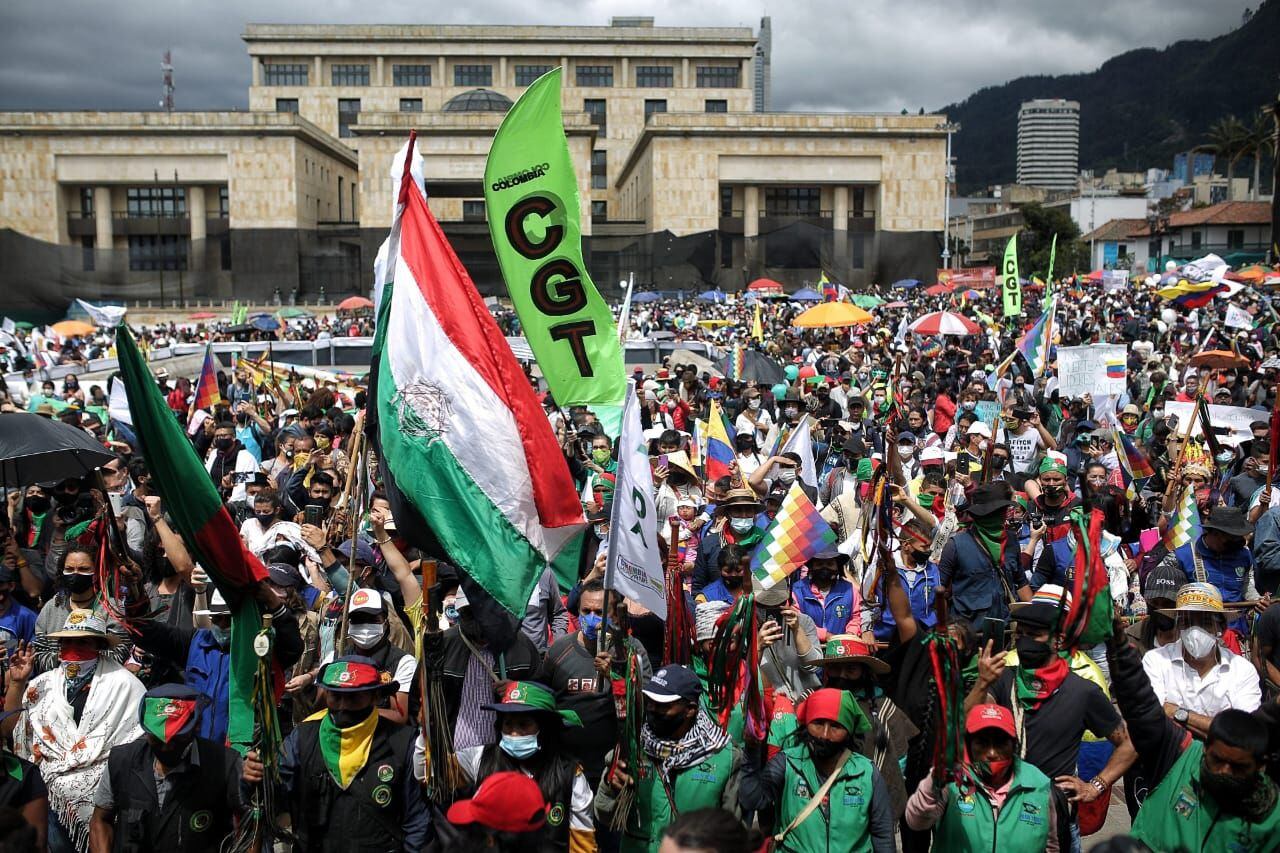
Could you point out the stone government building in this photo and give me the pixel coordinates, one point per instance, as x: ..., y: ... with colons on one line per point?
x: 687, y: 177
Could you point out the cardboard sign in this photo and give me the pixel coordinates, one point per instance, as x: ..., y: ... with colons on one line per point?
x: 1230, y: 423
x: 1099, y: 370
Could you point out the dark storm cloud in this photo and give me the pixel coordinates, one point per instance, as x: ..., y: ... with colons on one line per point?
x: 859, y: 55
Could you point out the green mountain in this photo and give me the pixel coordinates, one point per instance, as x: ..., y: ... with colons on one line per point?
x: 1136, y: 111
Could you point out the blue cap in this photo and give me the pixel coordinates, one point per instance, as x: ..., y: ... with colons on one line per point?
x: 364, y: 553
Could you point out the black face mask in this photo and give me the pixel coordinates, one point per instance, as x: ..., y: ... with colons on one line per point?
x: 1228, y: 791
x: 39, y: 505
x: 1032, y: 653
x: 172, y: 753
x: 1163, y: 622
x: 76, y: 583
x: 346, y: 718
x: 664, y: 726
x: 223, y: 443
x: 265, y: 520
x: 821, y: 748
x: 823, y: 578
x: 732, y: 581
x: 1054, y: 492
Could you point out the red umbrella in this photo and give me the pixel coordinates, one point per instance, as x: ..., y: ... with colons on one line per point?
x: 895, y: 304
x: 938, y: 290
x: 944, y: 323
x: 354, y: 303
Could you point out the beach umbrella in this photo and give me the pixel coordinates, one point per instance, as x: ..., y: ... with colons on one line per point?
x: 35, y: 449
x: 897, y: 303
x: 806, y: 294
x: 713, y: 296
x: 831, y: 314
x: 907, y: 283
x: 938, y: 290
x: 73, y: 328
x: 646, y: 296
x: 866, y: 300
x: 764, y: 284
x: 354, y: 303
x: 944, y: 323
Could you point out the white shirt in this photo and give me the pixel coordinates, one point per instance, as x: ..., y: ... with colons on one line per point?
x: 1232, y: 683
x: 760, y: 428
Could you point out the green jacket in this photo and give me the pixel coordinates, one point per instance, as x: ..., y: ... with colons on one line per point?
x: 657, y: 803
x: 1178, y: 816
x: 841, y: 823
x: 968, y: 822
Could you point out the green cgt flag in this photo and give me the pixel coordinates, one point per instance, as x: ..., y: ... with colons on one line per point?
x: 531, y: 195
x: 1010, y: 286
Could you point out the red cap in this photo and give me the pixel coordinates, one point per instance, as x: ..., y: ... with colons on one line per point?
x: 990, y: 717
x: 506, y: 802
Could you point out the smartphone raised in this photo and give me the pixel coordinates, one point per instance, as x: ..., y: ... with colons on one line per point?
x: 313, y: 515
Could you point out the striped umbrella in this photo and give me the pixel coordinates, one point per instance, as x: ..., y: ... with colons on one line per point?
x: 944, y: 323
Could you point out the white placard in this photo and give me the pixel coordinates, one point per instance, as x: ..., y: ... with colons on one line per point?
x: 1236, y: 418
x: 1238, y: 318
x: 1099, y: 370
x: 1114, y: 279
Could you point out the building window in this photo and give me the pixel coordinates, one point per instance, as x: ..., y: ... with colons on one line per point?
x: 1235, y: 238
x: 86, y: 254
x: 86, y: 202
x: 224, y: 203
x: 715, y: 105
x: 1153, y: 248
x: 164, y: 202
x: 599, y: 210
x: 599, y: 170
x: 339, y: 198
x: 655, y: 77
x: 1122, y: 250
x: 1195, y: 239
x: 411, y: 105
x: 718, y: 76
x: 348, y: 114
x: 526, y: 74
x: 594, y: 75
x: 859, y: 203
x: 350, y: 75
x: 286, y: 105
x: 284, y: 74
x: 410, y: 75
x: 726, y: 201
x: 792, y: 201
x: 473, y: 210
x: 155, y: 252
x: 473, y: 75
x: 224, y: 252
x: 652, y: 106
x: 595, y: 108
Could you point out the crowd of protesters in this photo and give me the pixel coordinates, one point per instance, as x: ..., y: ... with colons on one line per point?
x: 998, y: 493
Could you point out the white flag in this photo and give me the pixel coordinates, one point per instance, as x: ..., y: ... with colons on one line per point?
x: 634, y: 566
x: 118, y: 405
x: 799, y: 441
x: 107, y: 316
x: 1238, y: 318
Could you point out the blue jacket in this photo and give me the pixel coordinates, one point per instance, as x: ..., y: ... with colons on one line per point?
x: 976, y: 590
x: 717, y: 591
x: 920, y: 592
x: 1228, y: 572
x: 831, y: 614
x: 208, y: 668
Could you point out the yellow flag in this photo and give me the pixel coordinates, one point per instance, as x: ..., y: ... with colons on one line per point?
x: 757, y: 328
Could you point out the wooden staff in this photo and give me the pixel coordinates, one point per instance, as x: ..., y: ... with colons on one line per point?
x: 1173, y: 486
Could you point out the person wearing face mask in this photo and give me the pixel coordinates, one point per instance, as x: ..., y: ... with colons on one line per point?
x: 1011, y: 808
x: 790, y: 409
x: 676, y: 480
x: 1197, y: 677
x: 981, y: 565
x: 755, y: 420
x: 1160, y: 592
x: 735, y: 523
x: 602, y: 469
x: 748, y: 454
x: 19, y: 621
x: 229, y: 464
x: 532, y: 740
x: 1221, y: 552
x: 1056, y: 706
x: 1211, y: 794
x: 735, y: 569
x: 347, y: 773
x: 825, y: 594
x: 687, y: 763
x: 853, y: 810
x: 367, y: 635
x: 71, y: 717
x: 77, y: 580
x: 169, y: 789
x: 208, y: 665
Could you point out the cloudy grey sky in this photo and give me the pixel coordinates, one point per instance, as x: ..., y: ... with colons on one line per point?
x: 827, y: 54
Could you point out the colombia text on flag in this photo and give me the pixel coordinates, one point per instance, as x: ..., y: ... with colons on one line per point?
x: 797, y: 533
x: 198, y: 514
x: 467, y: 454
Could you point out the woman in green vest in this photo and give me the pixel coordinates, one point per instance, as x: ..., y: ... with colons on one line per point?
x: 688, y: 763
x: 826, y: 797
x: 1009, y: 808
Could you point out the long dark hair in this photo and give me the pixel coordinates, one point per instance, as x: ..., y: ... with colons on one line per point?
x: 552, y: 769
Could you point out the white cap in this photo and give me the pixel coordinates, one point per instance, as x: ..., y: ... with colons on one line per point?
x: 979, y: 428
x: 365, y: 600
x: 931, y: 454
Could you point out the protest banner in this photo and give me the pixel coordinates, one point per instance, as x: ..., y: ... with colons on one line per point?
x: 1238, y: 318
x: 1114, y: 280
x: 1098, y: 370
x: 634, y: 566
x: 1010, y: 284
x: 1230, y: 423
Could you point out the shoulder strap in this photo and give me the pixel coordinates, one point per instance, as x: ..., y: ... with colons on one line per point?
x: 815, y: 800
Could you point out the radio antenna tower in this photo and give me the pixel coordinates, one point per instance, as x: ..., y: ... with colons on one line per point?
x: 166, y: 65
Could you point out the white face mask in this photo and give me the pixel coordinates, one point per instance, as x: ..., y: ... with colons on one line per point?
x: 753, y: 403
x: 787, y: 475
x: 366, y: 636
x: 1198, y: 642
x: 741, y: 525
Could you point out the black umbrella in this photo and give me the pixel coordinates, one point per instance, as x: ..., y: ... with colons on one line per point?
x: 35, y: 449
x: 756, y: 368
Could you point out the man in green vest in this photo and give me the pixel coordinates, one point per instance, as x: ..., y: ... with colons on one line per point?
x: 1212, y: 795
x: 688, y: 763
x: 826, y: 797
x: 1011, y: 805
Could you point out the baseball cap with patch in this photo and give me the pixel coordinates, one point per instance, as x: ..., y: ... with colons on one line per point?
x: 168, y: 711
x: 365, y: 600
x: 672, y: 684
x: 990, y: 716
x: 356, y: 674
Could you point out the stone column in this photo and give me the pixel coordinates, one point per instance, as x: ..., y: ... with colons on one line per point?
x: 196, y: 213
x: 378, y: 78
x: 102, y: 218
x: 443, y: 68
x: 256, y: 64
x: 750, y: 212
x: 626, y: 73
x: 502, y: 73
x: 684, y: 72
x: 840, y: 208
x: 318, y: 70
